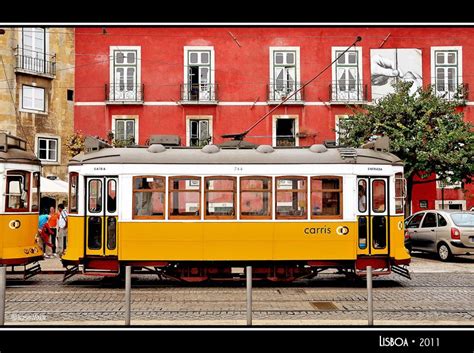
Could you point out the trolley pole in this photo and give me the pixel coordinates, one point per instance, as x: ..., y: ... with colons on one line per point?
x: 128, y: 294
x: 3, y: 285
x: 248, y: 273
x: 369, y: 296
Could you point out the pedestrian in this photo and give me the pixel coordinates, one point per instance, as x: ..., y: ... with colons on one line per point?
x: 44, y: 232
x: 53, y: 223
x: 62, y: 229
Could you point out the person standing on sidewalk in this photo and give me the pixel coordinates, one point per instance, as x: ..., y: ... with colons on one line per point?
x: 53, y: 223
x: 62, y: 229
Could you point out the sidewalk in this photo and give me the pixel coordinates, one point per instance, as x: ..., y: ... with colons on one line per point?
x: 52, y: 266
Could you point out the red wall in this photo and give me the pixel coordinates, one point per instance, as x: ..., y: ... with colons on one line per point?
x: 242, y: 75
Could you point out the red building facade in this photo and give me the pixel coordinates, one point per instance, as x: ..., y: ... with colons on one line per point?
x: 202, y: 82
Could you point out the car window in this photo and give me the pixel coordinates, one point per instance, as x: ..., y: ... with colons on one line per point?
x: 441, y: 221
x: 429, y: 221
x: 416, y: 220
x: 463, y: 219
x: 408, y: 221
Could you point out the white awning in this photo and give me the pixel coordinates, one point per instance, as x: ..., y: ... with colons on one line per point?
x: 53, y: 186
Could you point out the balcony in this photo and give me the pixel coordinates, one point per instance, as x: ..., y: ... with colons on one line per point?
x: 124, y: 93
x: 35, y: 63
x: 277, y: 92
x: 450, y: 93
x: 347, y: 92
x: 199, y: 93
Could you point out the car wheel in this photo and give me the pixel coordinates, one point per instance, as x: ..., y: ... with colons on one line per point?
x: 444, y: 253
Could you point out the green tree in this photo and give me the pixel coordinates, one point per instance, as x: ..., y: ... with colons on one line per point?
x: 426, y: 131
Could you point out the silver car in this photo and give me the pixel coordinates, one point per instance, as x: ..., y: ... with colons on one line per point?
x: 446, y: 233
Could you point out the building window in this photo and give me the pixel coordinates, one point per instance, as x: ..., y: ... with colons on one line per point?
x: 199, y: 132
x: 256, y: 197
x: 347, y: 75
x: 326, y: 197
x: 33, y: 51
x: 423, y: 203
x: 70, y: 95
x: 199, y: 74
x: 125, y: 130
x: 125, y: 79
x: 291, y: 195
x: 284, y: 75
x: 446, y: 65
x: 47, y: 149
x: 33, y: 98
x: 220, y: 197
x: 285, y: 131
x: 148, y: 197
x: 184, y: 197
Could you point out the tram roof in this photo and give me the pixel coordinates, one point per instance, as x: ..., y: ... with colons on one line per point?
x: 181, y: 155
x: 15, y: 155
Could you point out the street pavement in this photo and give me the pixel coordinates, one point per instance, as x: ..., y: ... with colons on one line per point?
x: 439, y: 294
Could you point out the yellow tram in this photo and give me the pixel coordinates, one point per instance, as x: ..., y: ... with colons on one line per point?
x: 19, y: 205
x: 197, y: 214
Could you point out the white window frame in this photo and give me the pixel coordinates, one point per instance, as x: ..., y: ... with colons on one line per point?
x: 212, y: 67
x: 138, y: 66
x: 126, y: 117
x: 433, y: 66
x: 35, y: 91
x: 198, y: 117
x: 439, y: 203
x: 359, y: 78
x: 272, y: 51
x: 58, y: 148
x: 46, y: 45
x: 338, y: 118
x: 439, y: 184
x: 274, y: 126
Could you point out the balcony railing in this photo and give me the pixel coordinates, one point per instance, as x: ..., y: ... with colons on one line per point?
x: 199, y: 93
x: 460, y: 93
x: 35, y: 62
x: 280, y: 90
x: 124, y: 93
x: 347, y: 91
x: 285, y: 141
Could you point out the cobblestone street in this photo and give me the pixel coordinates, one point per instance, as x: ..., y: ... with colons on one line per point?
x: 437, y: 294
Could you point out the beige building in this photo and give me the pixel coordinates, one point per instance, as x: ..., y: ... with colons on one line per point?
x: 36, y: 91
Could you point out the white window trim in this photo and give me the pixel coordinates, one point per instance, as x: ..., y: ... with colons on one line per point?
x: 337, y: 118
x: 126, y: 117
x: 297, y: 127
x: 433, y: 62
x: 186, y: 64
x: 30, y: 110
x: 112, y: 60
x: 297, y: 62
x: 438, y: 203
x: 58, y: 148
x: 456, y: 185
x: 359, y: 62
x: 198, y: 117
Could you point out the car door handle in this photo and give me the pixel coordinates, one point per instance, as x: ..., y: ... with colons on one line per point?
x: 432, y: 230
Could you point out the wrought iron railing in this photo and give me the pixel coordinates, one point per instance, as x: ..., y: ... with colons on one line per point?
x: 459, y: 93
x: 285, y: 141
x: 199, y: 92
x: 35, y: 61
x: 278, y: 91
x: 124, y: 92
x: 347, y: 91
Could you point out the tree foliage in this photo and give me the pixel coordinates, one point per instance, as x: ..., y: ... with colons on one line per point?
x: 426, y: 131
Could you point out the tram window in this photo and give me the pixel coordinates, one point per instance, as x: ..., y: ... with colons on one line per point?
x: 148, y: 197
x: 256, y: 197
x: 399, y: 192
x: 73, y: 190
x: 326, y: 197
x: 184, y: 197
x: 95, y: 196
x: 17, y: 191
x: 220, y: 197
x: 291, y: 197
x: 111, y: 196
x: 362, y: 192
x: 35, y: 192
x: 378, y: 196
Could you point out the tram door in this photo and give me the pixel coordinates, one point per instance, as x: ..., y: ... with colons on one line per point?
x: 101, y: 216
x: 373, y: 215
